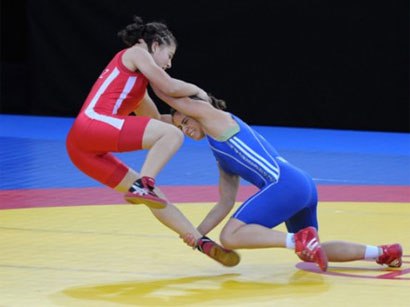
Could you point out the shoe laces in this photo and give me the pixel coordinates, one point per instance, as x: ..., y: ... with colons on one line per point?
x: 143, y: 186
x: 136, y: 189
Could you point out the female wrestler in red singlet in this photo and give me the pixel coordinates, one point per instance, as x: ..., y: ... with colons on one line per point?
x: 104, y: 124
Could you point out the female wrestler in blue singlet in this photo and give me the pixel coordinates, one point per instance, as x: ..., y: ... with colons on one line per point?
x: 286, y: 193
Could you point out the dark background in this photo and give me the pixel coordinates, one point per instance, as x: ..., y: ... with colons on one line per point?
x: 322, y: 64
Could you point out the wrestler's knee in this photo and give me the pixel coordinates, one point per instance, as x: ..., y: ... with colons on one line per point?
x: 175, y: 135
x: 228, y: 236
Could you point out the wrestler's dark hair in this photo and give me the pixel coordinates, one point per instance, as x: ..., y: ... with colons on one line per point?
x: 217, y: 103
x: 150, y: 32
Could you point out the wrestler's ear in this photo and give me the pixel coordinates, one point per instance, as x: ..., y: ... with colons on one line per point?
x: 154, y: 46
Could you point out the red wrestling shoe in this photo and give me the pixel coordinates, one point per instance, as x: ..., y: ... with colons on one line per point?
x: 224, y: 256
x: 308, y: 248
x: 391, y: 255
x: 142, y: 192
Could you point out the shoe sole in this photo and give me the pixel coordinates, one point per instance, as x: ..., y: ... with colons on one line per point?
x: 321, y: 259
x: 226, y: 257
x: 320, y: 255
x: 144, y: 201
x: 395, y: 266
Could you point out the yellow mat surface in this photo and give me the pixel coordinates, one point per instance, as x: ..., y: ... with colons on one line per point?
x: 120, y: 255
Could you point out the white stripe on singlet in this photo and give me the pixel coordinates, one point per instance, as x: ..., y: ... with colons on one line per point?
x: 115, y: 122
x: 250, y: 154
x: 246, y: 165
x: 127, y: 88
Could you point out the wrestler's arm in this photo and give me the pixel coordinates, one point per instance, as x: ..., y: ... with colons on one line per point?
x: 228, y: 189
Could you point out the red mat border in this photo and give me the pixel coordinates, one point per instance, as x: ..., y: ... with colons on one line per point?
x: 14, y: 199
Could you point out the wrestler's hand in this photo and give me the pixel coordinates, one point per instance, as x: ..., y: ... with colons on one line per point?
x: 189, y: 239
x: 202, y: 95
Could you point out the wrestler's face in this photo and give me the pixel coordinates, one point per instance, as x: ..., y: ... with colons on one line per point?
x: 189, y: 126
x: 163, y: 54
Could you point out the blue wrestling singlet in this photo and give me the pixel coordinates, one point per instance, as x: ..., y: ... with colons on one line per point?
x: 287, y: 194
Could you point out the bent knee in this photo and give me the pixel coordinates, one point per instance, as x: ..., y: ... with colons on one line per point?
x: 227, y: 240
x: 176, y: 134
x: 230, y: 236
x: 157, y: 131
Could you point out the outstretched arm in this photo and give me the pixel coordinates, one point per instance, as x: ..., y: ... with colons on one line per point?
x: 196, y: 108
x: 137, y: 58
x: 228, y: 189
